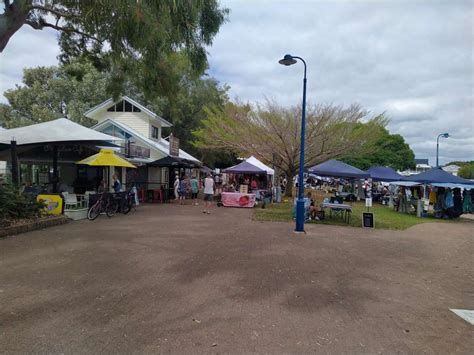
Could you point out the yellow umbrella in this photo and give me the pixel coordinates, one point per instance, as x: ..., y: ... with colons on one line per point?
x: 106, y: 157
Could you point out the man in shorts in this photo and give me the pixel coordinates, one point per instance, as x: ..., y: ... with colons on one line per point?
x: 208, y: 193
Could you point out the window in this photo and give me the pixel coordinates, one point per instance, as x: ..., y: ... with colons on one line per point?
x: 123, y: 106
x: 128, y: 107
x: 155, y: 132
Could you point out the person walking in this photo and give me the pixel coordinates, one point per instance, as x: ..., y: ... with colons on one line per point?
x: 182, y: 190
x: 194, y: 190
x: 208, y: 193
x: 175, y: 187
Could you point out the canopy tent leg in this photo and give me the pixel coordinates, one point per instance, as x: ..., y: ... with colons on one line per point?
x: 14, y: 164
x: 55, y: 169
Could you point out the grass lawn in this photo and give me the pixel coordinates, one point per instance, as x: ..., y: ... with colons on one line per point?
x: 385, y: 217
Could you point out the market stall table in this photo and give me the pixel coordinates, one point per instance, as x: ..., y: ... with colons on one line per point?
x: 237, y: 199
x: 338, y: 209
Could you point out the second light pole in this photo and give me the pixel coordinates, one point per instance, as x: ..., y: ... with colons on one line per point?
x: 444, y: 135
x: 287, y: 60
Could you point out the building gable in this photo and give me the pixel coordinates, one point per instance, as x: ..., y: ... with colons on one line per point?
x: 130, y: 113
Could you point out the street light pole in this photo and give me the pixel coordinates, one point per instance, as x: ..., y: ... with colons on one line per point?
x: 444, y: 135
x: 300, y: 210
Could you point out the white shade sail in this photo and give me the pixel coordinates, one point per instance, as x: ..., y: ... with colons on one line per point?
x: 60, y: 130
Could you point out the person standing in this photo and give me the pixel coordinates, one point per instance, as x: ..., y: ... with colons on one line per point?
x: 182, y: 190
x: 208, y: 193
x: 117, y: 183
x: 175, y: 187
x: 194, y: 190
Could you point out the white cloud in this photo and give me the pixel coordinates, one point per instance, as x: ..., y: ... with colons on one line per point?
x: 27, y: 48
x: 412, y: 59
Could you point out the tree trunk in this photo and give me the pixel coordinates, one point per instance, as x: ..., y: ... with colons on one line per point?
x: 11, y: 20
x: 289, y: 183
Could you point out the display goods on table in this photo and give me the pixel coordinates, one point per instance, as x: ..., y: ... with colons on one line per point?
x: 236, y: 199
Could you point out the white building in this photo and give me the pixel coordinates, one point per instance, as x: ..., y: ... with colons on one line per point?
x: 422, y: 165
x: 141, y: 130
x: 452, y: 169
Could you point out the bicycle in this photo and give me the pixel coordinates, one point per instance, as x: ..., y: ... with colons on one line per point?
x: 106, y: 203
x: 129, y: 201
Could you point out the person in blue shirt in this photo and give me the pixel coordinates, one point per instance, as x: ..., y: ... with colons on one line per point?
x: 194, y: 190
x: 117, y: 183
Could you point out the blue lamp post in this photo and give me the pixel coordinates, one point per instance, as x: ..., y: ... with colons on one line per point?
x: 290, y: 60
x: 444, y: 135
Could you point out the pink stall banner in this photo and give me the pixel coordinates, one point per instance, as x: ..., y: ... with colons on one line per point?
x: 236, y: 199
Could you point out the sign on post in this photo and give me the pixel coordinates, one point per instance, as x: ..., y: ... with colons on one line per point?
x: 368, y: 220
x: 174, y: 146
x: 368, y: 202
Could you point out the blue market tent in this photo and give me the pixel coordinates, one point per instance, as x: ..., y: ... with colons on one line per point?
x: 244, y: 168
x: 383, y: 173
x: 336, y: 168
x: 438, y: 175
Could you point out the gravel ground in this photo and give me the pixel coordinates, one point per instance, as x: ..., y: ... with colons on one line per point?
x: 167, y: 278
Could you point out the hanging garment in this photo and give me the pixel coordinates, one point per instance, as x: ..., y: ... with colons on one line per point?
x: 449, y: 201
x: 439, y: 206
x: 432, y: 197
x: 457, y: 197
x: 467, y: 202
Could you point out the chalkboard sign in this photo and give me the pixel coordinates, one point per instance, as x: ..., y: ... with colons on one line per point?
x: 368, y: 220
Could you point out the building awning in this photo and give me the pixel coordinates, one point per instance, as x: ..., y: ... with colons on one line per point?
x: 174, y: 162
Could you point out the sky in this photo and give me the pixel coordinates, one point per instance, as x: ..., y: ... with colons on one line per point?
x: 411, y: 59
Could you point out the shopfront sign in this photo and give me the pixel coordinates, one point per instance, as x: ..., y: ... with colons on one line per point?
x: 174, y: 146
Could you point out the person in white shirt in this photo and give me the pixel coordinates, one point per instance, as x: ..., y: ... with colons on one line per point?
x: 175, y: 187
x: 208, y: 193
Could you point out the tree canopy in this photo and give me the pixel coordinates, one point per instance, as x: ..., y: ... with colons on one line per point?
x: 387, y: 150
x: 71, y: 89
x: 272, y: 133
x: 467, y: 170
x: 52, y: 92
x: 134, y: 37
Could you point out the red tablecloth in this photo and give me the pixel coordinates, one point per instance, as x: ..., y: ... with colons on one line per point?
x: 236, y: 199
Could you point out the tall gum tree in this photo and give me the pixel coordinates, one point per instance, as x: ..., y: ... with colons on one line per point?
x: 272, y: 133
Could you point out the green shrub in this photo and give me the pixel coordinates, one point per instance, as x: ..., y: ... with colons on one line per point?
x: 15, y: 206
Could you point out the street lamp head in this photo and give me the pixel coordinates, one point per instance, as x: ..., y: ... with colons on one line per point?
x: 287, y: 60
x: 445, y: 135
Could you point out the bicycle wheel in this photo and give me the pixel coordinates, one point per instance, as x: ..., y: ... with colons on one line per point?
x: 112, y: 207
x: 94, y: 211
x: 127, y: 206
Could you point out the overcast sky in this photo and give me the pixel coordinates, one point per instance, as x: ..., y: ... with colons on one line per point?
x: 412, y: 59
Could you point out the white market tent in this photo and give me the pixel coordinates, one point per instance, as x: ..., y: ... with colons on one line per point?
x: 55, y: 131
x: 255, y: 162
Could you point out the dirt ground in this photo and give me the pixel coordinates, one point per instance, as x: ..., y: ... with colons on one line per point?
x: 169, y: 279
